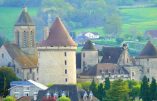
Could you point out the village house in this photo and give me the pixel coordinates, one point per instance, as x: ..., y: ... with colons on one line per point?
x: 27, y: 89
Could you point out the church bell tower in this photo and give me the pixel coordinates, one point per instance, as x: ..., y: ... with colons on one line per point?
x: 24, y: 30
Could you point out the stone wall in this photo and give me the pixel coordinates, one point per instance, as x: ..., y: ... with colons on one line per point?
x: 57, y: 65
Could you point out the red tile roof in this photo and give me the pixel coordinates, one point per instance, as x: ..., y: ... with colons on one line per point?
x: 58, y: 35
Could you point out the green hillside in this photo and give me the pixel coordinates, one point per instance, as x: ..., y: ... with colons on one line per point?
x: 139, y: 19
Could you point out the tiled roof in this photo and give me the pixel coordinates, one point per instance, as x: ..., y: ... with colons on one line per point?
x: 111, y: 54
x: 27, y: 61
x: 24, y: 19
x: 89, y: 46
x: 105, y: 68
x: 149, y: 50
x: 58, y: 35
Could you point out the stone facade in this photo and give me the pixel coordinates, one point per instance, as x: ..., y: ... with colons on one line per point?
x: 88, y: 59
x: 57, y: 65
x: 149, y: 66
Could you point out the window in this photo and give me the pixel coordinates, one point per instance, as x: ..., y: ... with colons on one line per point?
x: 17, y: 70
x: 133, y: 74
x: 25, y: 39
x: 66, y: 80
x: 30, y: 70
x: 65, y: 62
x: 37, y: 70
x: 148, y: 71
x: 83, y: 54
x: 2, y: 55
x: 65, y: 71
x: 84, y: 63
x: 26, y: 88
x: 18, y: 38
x: 65, y: 54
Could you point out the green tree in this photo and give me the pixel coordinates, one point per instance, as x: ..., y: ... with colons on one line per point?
x: 9, y: 98
x: 118, y: 92
x: 153, y: 90
x: 101, y: 92
x: 144, y: 93
x: 134, y: 89
x: 93, y: 87
x: 64, y: 99
x: 6, y: 76
x: 107, y: 83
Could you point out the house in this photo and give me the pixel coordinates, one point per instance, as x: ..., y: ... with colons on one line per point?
x: 90, y: 35
x: 116, y: 63
x: 22, y: 89
x: 152, y: 34
x: 147, y: 59
x: 71, y: 91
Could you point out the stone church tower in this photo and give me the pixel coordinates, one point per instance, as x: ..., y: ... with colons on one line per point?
x: 57, y: 56
x: 24, y: 30
x: 89, y: 56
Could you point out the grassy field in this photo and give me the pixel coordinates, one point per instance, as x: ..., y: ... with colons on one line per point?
x: 139, y: 19
x: 8, y: 17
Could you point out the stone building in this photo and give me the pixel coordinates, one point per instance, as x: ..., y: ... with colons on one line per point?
x: 148, y: 60
x: 26, y: 88
x: 52, y: 62
x: 22, y: 55
x: 89, y: 56
x: 57, y: 56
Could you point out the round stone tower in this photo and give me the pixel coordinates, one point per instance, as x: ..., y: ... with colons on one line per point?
x: 57, y: 56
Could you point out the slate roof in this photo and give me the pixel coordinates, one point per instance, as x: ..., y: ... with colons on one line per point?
x: 25, y: 60
x: 58, y: 35
x: 105, y: 68
x: 89, y: 46
x: 111, y: 54
x: 24, y: 19
x: 149, y: 50
x: 20, y: 83
x: 70, y: 90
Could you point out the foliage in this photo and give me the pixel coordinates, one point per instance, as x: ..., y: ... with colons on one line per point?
x: 107, y: 83
x: 153, y: 90
x: 6, y: 76
x: 101, y: 92
x: 85, y: 85
x: 144, y: 93
x: 93, y: 87
x: 9, y: 98
x: 118, y: 92
x: 64, y: 99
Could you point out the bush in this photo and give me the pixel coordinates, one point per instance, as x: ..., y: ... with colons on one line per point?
x: 63, y: 98
x: 9, y: 98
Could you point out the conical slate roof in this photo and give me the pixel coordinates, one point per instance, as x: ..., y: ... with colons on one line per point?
x: 89, y: 46
x: 24, y: 19
x: 58, y: 35
x: 149, y: 50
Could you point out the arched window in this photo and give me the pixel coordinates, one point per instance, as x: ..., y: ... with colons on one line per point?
x: 32, y: 39
x: 25, y: 40
x: 18, y: 38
